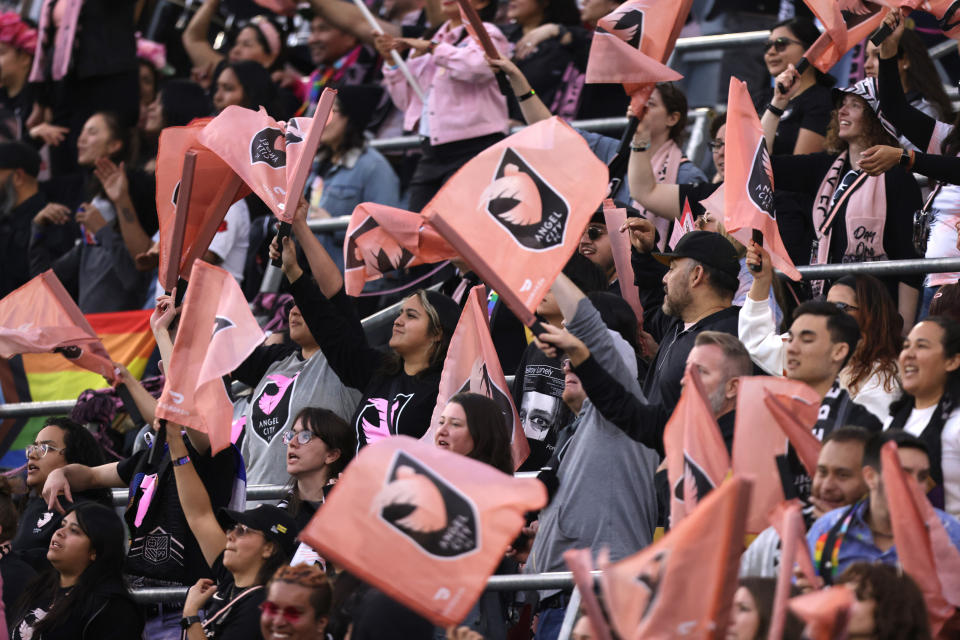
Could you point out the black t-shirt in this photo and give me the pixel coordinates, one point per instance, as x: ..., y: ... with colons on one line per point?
x: 242, y: 620
x: 696, y: 194
x: 547, y: 69
x: 163, y: 550
x: 16, y: 575
x: 810, y: 110
x: 537, y: 390
x: 113, y: 616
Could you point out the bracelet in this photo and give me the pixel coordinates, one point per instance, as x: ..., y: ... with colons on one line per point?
x: 179, y: 462
x: 526, y: 96
x: 907, y: 158
x: 775, y: 111
x: 640, y: 147
x: 432, y: 46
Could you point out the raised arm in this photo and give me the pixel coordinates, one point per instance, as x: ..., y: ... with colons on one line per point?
x: 194, y: 499
x: 113, y: 178
x: 344, y: 15
x: 661, y: 199
x: 770, y: 119
x: 322, y: 267
x: 911, y: 122
x: 532, y: 107
x: 194, y: 37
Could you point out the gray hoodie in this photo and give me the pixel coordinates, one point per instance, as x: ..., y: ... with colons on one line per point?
x: 606, y: 495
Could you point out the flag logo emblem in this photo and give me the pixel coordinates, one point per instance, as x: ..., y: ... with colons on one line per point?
x: 760, y: 183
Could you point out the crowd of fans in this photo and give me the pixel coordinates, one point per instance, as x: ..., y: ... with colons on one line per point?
x: 83, y: 99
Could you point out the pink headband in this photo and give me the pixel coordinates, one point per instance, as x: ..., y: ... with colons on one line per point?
x: 153, y: 52
x: 16, y: 33
x: 269, y: 32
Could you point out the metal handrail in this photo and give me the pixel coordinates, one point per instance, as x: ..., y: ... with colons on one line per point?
x: 514, y: 582
x: 880, y: 269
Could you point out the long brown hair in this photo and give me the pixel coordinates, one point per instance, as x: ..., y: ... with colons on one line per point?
x: 393, y: 362
x: 880, y: 326
x: 873, y: 130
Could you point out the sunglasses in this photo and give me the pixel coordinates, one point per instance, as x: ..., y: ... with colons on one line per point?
x: 716, y: 145
x: 302, y: 437
x: 290, y: 614
x: 780, y: 44
x: 594, y: 232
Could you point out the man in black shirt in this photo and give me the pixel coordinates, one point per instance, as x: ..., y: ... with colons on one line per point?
x: 699, y: 289
x: 20, y: 201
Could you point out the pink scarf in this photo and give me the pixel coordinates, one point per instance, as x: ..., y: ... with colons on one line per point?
x: 666, y: 164
x: 865, y: 217
x: 63, y: 42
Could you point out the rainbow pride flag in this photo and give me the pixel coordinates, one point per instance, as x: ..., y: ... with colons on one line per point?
x: 37, y: 377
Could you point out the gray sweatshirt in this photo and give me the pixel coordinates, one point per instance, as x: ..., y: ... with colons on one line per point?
x: 606, y: 495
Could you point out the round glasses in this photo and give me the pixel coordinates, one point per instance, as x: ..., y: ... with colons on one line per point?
x: 303, y: 437
x: 41, y: 449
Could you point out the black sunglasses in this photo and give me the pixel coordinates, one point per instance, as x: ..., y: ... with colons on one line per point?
x: 595, y: 232
x: 780, y: 44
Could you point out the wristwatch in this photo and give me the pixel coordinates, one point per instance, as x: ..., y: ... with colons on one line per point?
x: 189, y: 621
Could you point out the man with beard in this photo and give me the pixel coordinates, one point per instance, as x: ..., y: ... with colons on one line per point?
x: 699, y: 288
x: 20, y: 201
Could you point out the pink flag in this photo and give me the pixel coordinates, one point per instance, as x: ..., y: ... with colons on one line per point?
x: 796, y: 426
x: 381, y: 239
x: 472, y: 365
x: 914, y: 523
x: 217, y: 333
x: 648, y: 26
x: 788, y: 522
x: 757, y: 442
x: 842, y: 32
x: 826, y: 612
x: 40, y: 316
x: 684, y: 225
x: 213, y: 187
x: 697, y: 459
x: 581, y: 565
x: 682, y: 585
x: 516, y: 215
x: 748, y: 196
x: 273, y: 158
x: 620, y: 246
x: 424, y: 525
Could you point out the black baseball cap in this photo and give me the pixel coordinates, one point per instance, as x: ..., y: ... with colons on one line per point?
x: 17, y: 155
x: 274, y: 523
x: 707, y: 247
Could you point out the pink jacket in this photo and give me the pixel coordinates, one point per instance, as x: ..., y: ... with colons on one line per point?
x: 462, y: 95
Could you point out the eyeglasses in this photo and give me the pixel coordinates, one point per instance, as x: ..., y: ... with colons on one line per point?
x: 290, y: 614
x: 41, y: 449
x: 241, y: 530
x: 716, y: 145
x: 303, y: 437
x: 595, y: 231
x: 843, y: 306
x: 780, y: 44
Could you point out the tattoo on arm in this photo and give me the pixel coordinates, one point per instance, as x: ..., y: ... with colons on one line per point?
x: 128, y: 215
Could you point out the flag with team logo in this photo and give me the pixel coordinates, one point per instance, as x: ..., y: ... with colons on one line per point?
x: 826, y: 612
x: 761, y: 447
x: 683, y: 584
x: 846, y: 24
x: 472, y: 365
x: 381, y: 239
x: 697, y: 459
x: 217, y: 332
x: 424, y: 525
x: 516, y: 214
x: 632, y: 44
x: 273, y: 158
x: 748, y: 184
x: 41, y: 317
x: 209, y: 186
